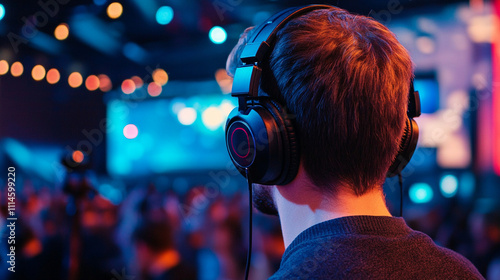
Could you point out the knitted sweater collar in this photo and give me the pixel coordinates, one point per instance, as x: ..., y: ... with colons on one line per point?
x: 364, y: 225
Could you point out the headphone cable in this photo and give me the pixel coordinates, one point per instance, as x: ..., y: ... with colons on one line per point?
x: 249, y: 253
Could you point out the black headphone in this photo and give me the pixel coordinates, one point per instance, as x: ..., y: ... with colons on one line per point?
x: 260, y: 137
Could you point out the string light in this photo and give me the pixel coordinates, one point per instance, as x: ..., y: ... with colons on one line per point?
x: 75, y: 79
x: 53, y: 76
x: 17, y: 69
x: 38, y: 72
x: 92, y: 82
x: 4, y: 67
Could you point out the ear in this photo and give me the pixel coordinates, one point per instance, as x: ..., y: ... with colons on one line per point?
x: 233, y: 60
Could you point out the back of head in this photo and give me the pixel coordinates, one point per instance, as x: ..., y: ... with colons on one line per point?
x: 346, y: 79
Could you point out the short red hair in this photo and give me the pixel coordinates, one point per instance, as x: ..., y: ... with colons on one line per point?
x: 346, y: 78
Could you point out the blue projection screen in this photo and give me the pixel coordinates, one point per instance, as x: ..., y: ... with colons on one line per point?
x: 428, y: 89
x: 157, y: 136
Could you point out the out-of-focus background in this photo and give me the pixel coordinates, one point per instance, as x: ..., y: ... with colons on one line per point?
x: 112, y: 120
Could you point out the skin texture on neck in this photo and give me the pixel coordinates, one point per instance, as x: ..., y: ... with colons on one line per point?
x: 301, y: 205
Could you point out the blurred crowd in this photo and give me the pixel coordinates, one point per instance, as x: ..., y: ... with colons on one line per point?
x: 76, y: 233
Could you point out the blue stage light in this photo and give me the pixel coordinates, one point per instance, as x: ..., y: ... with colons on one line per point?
x: 420, y: 193
x: 449, y: 185
x: 164, y: 15
x: 217, y: 35
x: 2, y: 11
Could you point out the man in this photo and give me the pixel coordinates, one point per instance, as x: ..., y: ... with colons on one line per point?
x: 346, y: 80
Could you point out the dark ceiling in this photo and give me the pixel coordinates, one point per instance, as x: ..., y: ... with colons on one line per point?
x: 182, y: 47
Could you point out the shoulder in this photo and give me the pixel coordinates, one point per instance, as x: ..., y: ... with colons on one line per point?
x: 318, y: 258
x: 410, y: 255
x: 450, y: 263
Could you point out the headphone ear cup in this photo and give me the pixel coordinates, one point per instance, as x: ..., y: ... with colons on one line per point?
x: 406, y: 148
x: 254, y: 141
x: 291, y: 155
x: 264, y: 141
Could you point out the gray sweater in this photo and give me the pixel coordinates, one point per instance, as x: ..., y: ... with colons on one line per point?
x: 370, y: 247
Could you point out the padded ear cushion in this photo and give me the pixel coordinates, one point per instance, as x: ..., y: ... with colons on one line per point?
x: 291, y: 153
x: 406, y: 148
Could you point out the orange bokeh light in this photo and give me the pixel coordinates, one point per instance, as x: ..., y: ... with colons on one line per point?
x: 61, y: 32
x: 92, y: 82
x: 16, y: 69
x: 77, y: 156
x: 128, y: 86
x: 160, y: 76
x: 224, y: 80
x: 154, y: 89
x: 105, y: 84
x: 4, y: 67
x: 75, y: 79
x: 114, y: 10
x: 53, y: 76
x: 38, y: 73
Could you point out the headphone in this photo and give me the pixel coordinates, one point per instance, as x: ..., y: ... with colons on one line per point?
x: 260, y: 135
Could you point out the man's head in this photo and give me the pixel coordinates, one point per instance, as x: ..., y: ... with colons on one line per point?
x: 346, y: 80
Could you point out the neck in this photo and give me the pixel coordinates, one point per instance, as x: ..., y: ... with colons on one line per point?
x: 301, y: 206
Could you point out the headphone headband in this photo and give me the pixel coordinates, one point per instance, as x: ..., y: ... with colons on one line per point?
x: 265, y: 34
x: 247, y: 77
x: 413, y: 102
